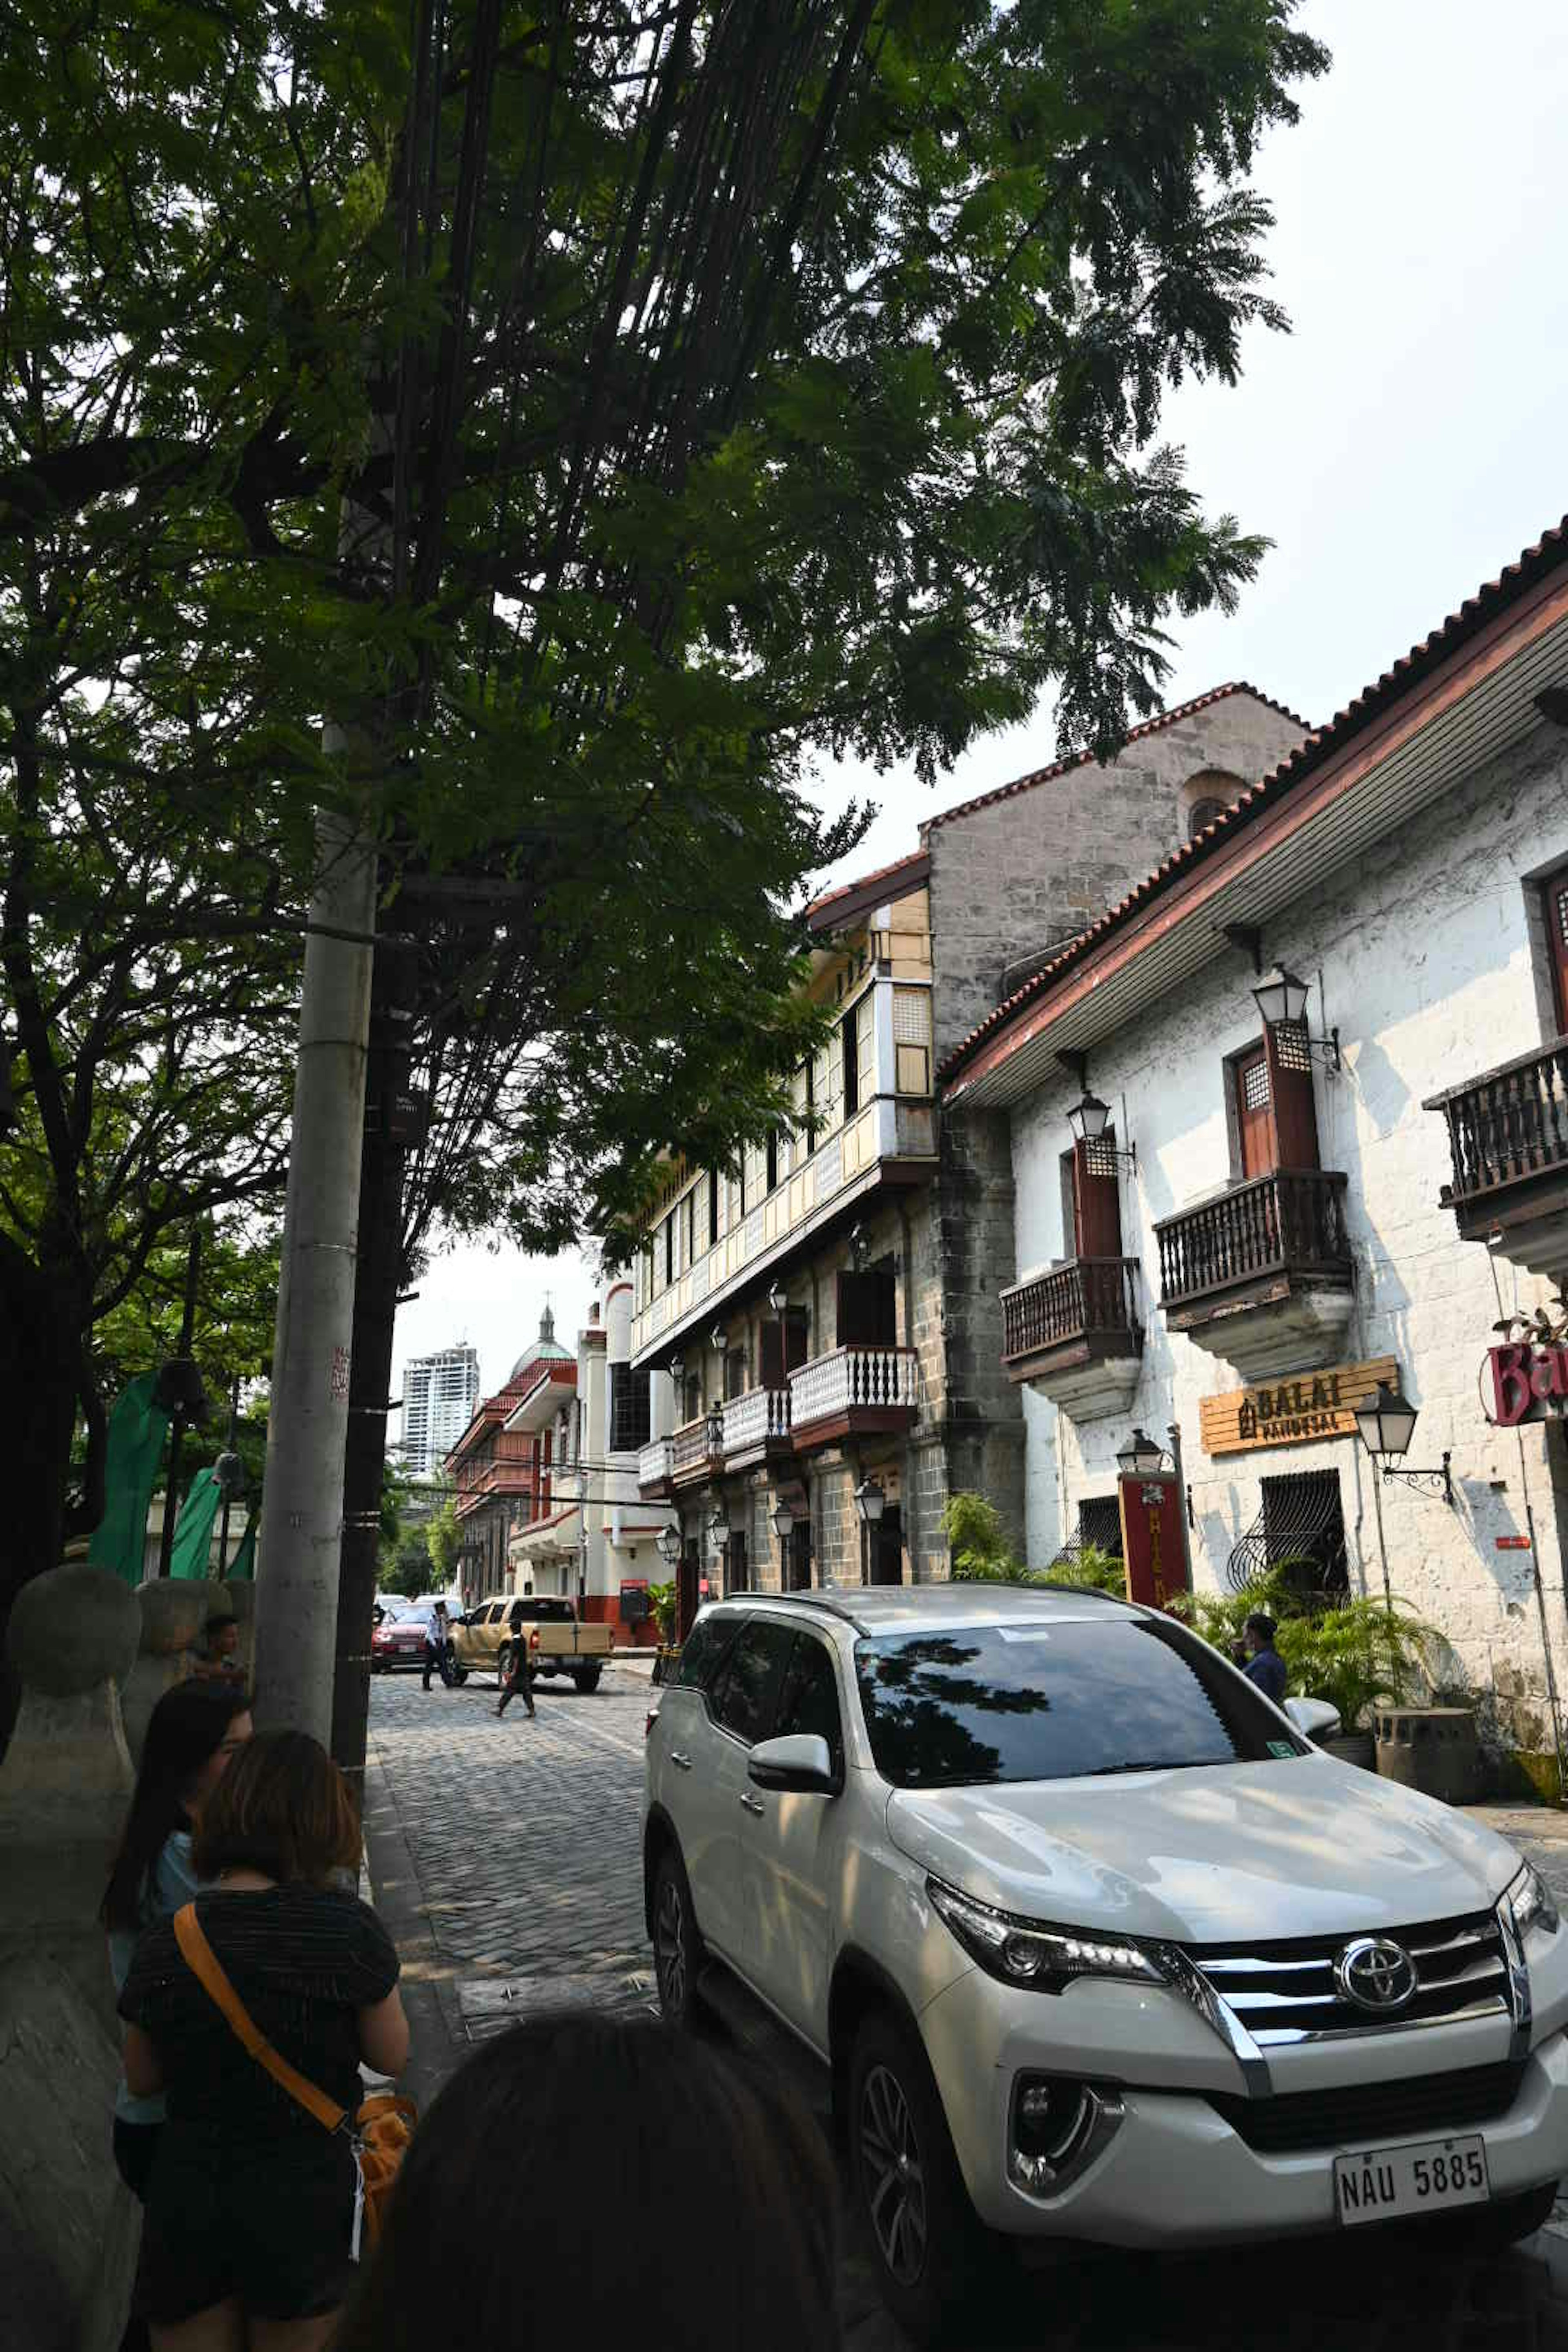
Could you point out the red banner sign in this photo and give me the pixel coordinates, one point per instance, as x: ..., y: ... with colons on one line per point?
x: 1524, y: 1384
x: 1152, y: 1538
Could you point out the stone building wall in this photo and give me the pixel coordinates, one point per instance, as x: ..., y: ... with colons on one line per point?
x: 1032, y: 865
x: 1422, y: 954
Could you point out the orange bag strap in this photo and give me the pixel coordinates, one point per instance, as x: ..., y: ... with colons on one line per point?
x: 204, y: 1965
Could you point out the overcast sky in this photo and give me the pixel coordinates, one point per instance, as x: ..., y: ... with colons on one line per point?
x: 1399, y: 447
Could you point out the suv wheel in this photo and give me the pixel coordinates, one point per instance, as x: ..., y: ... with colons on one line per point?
x: 676, y: 1946
x: 459, y: 1675
x: 587, y: 1677
x: 908, y: 2187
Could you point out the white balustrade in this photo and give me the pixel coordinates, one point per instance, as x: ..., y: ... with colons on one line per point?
x: 656, y: 1462
x: 749, y: 1420
x: 853, y: 1380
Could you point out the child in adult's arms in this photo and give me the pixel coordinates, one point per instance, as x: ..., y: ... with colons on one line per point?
x: 251, y: 2203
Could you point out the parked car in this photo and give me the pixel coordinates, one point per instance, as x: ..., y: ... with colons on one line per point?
x: 1094, y: 1942
x: 399, y: 1640
x: 558, y: 1643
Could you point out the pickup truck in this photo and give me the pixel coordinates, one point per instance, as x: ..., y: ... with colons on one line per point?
x: 557, y: 1643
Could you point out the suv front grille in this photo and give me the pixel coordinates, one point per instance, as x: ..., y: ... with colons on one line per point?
x: 1295, y: 2121
x: 1286, y: 1993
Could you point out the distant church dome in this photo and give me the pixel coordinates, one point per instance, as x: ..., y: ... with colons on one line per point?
x: 546, y: 1348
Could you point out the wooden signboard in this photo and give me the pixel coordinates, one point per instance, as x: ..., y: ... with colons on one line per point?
x: 1293, y: 1411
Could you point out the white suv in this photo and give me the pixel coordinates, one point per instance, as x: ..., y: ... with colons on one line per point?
x: 1095, y: 1944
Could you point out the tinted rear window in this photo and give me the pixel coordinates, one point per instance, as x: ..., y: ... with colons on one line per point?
x: 705, y: 1649
x: 1021, y: 1703
x: 548, y: 1613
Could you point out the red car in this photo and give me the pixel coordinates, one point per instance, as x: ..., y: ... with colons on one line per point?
x: 400, y: 1640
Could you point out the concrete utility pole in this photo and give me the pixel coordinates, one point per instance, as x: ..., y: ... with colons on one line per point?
x: 302, y: 1498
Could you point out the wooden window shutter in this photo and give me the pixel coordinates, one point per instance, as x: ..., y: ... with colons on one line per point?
x: 868, y: 1309
x: 1095, y: 1202
x: 1295, y: 1112
x: 771, y: 1355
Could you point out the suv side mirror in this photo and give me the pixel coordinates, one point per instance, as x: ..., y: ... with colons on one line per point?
x: 801, y: 1760
x: 1314, y: 1718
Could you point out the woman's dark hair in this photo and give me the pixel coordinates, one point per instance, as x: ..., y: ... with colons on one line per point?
x: 586, y: 2140
x: 186, y: 1728
x: 282, y: 1808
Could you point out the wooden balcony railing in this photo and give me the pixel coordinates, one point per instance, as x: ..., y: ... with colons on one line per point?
x: 1090, y: 1298
x: 690, y: 1451
x: 1292, y: 1222
x: 756, y: 1419
x: 1510, y: 1123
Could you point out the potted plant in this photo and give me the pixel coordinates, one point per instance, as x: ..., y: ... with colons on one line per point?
x: 661, y: 1600
x: 1352, y: 1656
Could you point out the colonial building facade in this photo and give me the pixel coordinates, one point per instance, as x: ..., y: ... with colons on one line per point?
x: 495, y: 1470
x: 821, y: 1326
x: 589, y: 1534
x: 1289, y: 1123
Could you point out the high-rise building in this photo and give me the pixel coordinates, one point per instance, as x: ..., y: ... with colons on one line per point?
x: 440, y: 1394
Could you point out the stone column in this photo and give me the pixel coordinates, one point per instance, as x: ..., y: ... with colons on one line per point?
x: 68, y: 2224
x: 174, y: 1611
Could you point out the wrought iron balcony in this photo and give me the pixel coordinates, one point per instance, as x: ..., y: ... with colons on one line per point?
x: 757, y: 1427
x: 1508, y: 1141
x: 1074, y: 1334
x: 1262, y: 1273
x: 852, y: 1391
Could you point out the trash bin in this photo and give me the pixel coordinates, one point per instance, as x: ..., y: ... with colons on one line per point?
x: 1433, y: 1748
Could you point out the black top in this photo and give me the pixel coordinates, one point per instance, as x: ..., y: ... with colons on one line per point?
x: 303, y: 1960
x: 1267, y: 1670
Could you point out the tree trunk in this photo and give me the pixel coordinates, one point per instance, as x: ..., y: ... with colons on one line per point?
x: 41, y: 1370
x: 377, y: 1279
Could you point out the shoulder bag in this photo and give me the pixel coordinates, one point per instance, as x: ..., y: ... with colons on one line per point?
x: 378, y: 2134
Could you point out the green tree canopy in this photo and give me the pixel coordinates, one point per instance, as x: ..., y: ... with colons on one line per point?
x: 591, y: 412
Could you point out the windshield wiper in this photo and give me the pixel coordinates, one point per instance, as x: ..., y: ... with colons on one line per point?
x: 1156, y: 1764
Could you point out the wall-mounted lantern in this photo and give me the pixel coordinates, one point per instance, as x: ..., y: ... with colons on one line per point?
x: 667, y: 1542
x: 1280, y: 997
x: 1387, y: 1424
x: 1140, y: 1457
x: 870, y: 1501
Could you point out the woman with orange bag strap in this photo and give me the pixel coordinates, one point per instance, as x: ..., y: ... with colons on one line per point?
x: 252, y: 2011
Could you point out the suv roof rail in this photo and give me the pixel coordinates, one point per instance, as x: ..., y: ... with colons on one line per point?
x: 815, y: 1596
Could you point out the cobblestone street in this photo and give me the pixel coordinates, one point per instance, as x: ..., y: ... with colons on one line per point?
x: 504, y: 1859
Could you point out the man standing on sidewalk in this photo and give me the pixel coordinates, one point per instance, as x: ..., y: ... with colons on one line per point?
x: 521, y: 1674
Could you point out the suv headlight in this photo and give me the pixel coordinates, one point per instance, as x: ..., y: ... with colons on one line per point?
x: 1531, y: 1902
x: 1029, y: 1952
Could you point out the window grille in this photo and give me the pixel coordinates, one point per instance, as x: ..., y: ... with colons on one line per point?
x: 1299, y: 1526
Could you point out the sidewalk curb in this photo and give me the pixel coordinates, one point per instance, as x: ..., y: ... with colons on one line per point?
x: 429, y: 1976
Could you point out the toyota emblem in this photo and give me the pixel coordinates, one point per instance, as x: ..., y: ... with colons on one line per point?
x: 1375, y: 1974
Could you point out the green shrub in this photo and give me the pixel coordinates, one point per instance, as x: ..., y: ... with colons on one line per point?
x: 981, y: 1552
x: 1356, y: 1654
x: 1100, y: 1570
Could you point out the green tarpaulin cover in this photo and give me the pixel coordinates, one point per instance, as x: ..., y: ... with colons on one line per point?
x: 137, y: 1430
x: 191, y: 1556
x: 243, y: 1564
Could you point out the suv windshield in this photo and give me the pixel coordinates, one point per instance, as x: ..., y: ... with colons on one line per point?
x: 1055, y: 1702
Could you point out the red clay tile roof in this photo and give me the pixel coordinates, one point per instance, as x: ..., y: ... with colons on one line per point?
x: 1548, y: 553
x: 902, y: 874
x: 1089, y: 759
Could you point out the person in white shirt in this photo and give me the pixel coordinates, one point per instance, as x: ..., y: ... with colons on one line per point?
x: 437, y: 1641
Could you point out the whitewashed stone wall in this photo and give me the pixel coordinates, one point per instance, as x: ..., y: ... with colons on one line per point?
x: 1430, y: 972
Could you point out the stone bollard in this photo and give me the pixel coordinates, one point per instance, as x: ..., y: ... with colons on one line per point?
x: 240, y: 1599
x: 174, y: 1611
x: 68, y: 2224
